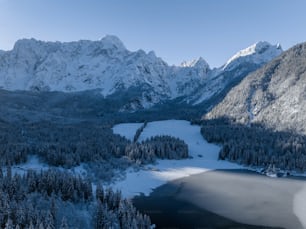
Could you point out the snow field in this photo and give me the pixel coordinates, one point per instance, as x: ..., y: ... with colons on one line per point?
x: 204, y: 157
x: 127, y: 130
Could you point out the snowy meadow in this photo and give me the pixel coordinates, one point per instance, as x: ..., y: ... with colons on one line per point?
x: 203, y: 156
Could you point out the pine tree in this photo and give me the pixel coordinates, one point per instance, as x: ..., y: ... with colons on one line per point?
x: 31, y: 225
x: 53, y: 209
x: 9, y: 224
x: 41, y: 226
x: 49, y: 221
x: 21, y: 216
x: 100, y: 219
x: 99, y: 192
x: 64, y: 224
x: 9, y: 173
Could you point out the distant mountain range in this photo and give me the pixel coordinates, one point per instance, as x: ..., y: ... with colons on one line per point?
x: 107, y: 66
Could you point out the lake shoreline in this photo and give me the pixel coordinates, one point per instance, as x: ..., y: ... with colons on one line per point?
x: 243, y: 196
x: 200, y: 201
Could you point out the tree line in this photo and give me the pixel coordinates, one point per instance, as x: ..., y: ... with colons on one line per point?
x: 163, y: 147
x: 256, y: 145
x: 70, y: 145
x: 64, y: 145
x: 139, y: 131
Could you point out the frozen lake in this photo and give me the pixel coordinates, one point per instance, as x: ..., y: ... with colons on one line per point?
x: 218, y: 187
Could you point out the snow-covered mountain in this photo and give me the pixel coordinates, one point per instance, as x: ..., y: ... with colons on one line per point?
x: 108, y: 66
x: 274, y: 95
x: 200, y: 63
x: 258, y: 53
x: 77, y: 66
x: 221, y: 80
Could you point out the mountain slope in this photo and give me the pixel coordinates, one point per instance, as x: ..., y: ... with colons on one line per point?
x: 222, y: 79
x: 77, y: 66
x: 85, y: 65
x: 258, y: 53
x: 274, y: 95
x: 108, y: 66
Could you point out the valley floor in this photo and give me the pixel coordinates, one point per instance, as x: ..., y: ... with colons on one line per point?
x: 204, y: 158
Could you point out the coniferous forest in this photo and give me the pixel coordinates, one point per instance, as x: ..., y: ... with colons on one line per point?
x: 256, y: 145
x: 56, y: 199
x: 59, y: 198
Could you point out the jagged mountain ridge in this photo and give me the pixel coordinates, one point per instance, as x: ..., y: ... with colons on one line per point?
x: 221, y: 80
x: 274, y: 95
x: 108, y: 66
x: 76, y: 66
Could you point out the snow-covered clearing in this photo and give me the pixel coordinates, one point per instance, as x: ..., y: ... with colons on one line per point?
x: 33, y: 163
x: 128, y: 130
x: 204, y: 157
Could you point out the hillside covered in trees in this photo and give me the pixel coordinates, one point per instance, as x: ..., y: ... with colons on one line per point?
x: 256, y: 145
x: 56, y: 199
x: 71, y: 144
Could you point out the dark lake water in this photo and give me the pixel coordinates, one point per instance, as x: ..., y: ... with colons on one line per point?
x: 223, y: 199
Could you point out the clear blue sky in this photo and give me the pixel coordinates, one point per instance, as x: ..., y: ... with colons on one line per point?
x: 175, y: 29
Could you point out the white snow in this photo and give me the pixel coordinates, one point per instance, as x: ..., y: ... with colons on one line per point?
x: 108, y: 66
x: 216, y: 80
x: 200, y: 62
x: 257, y: 53
x: 299, y: 205
x: 105, y: 64
x: 204, y: 158
x: 127, y: 130
x: 111, y: 41
x: 32, y: 163
x: 151, y: 176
